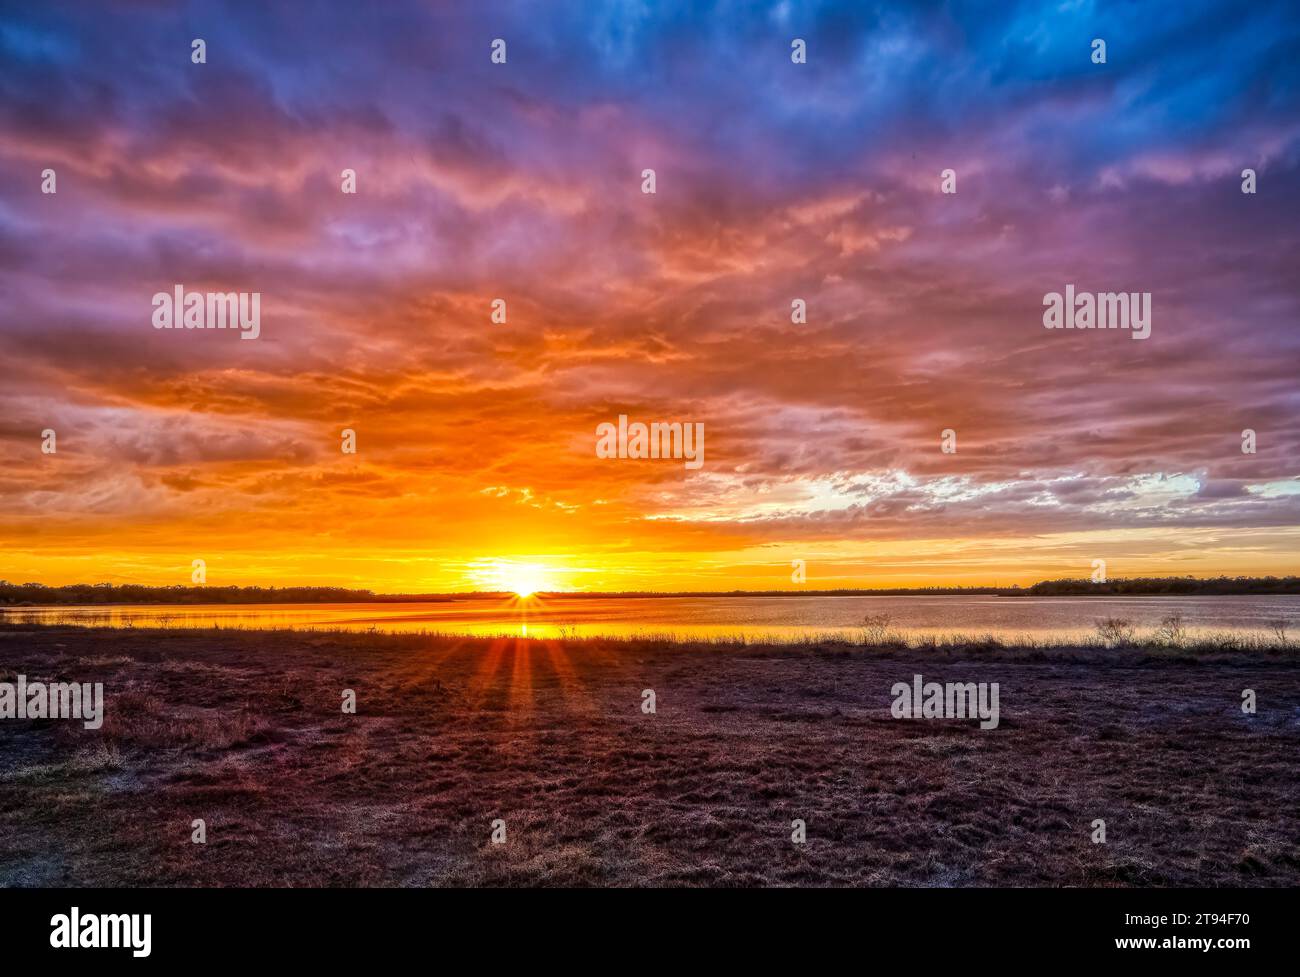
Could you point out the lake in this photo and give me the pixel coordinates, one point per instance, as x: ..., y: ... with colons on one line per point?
x: 754, y: 618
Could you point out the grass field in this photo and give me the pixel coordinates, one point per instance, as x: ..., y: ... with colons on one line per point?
x: 244, y: 730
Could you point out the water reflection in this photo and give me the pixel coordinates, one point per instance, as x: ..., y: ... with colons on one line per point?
x: 752, y: 618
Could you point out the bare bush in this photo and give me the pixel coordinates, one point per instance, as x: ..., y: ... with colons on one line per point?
x: 1171, y: 631
x: 876, y: 628
x: 1115, y: 631
x: 1278, y: 626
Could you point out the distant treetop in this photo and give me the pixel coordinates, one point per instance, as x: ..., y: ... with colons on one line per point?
x: 106, y: 593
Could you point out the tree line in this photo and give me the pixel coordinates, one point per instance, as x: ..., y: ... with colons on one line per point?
x: 1171, y: 586
x: 31, y: 594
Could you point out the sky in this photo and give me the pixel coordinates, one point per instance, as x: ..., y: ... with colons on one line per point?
x: 476, y: 458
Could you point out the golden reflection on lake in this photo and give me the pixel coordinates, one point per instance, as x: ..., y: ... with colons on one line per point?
x: 751, y: 618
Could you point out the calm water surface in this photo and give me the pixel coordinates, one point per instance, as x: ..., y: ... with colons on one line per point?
x: 773, y: 618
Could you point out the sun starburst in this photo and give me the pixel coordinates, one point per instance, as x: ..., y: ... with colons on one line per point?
x: 520, y: 579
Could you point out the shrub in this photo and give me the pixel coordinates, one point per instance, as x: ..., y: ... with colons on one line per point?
x: 1171, y: 631
x: 1115, y: 631
x: 875, y: 628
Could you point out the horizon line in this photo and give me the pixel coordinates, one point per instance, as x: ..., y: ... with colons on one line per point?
x: 1084, y: 582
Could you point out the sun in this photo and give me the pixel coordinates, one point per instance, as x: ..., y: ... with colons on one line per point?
x: 520, y: 579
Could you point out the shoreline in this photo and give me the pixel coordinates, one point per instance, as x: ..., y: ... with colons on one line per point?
x: 1194, y: 647
x: 576, y: 595
x: 43, y: 595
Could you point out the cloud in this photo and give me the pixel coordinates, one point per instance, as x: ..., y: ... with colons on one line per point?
x: 522, y: 181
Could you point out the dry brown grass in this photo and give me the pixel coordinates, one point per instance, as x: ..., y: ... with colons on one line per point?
x: 244, y: 730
